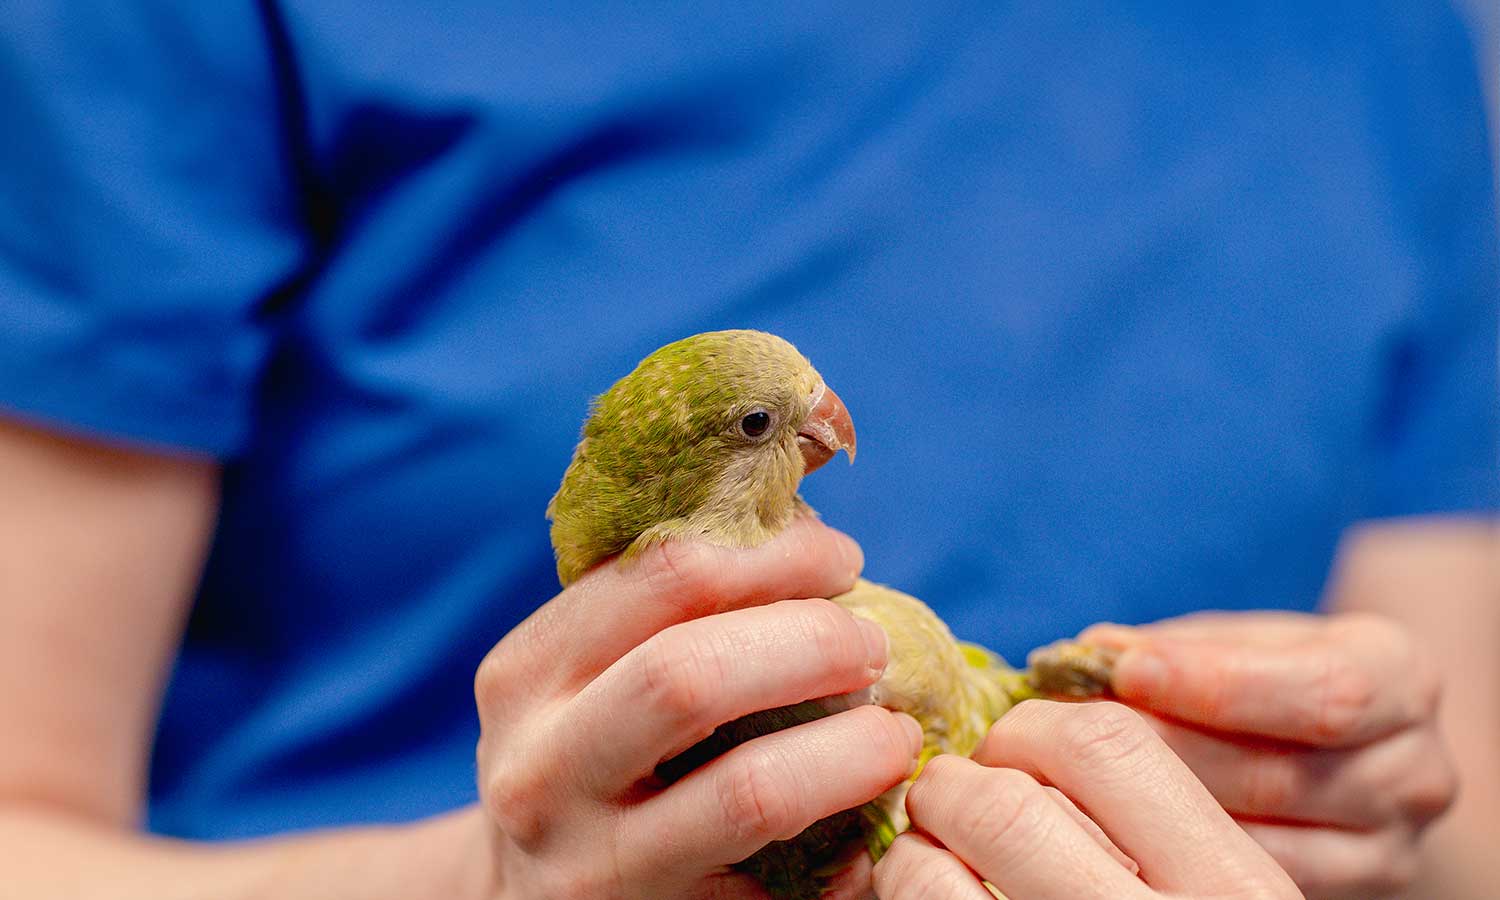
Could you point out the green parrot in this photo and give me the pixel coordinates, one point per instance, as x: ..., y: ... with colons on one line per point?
x: 708, y: 438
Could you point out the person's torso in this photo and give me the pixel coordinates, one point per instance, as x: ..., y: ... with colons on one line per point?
x: 1106, y: 289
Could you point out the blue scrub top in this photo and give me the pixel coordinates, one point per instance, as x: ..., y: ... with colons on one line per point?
x: 1136, y: 307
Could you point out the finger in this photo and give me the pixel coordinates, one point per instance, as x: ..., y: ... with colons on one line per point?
x: 853, y: 881
x: 1351, y: 681
x: 1405, y: 777
x: 673, y: 690
x: 1258, y: 627
x: 616, y: 606
x: 772, y: 788
x: 914, y: 868
x: 1340, y: 865
x: 1005, y: 827
x: 1108, y: 760
x: 1091, y: 828
x: 730, y: 886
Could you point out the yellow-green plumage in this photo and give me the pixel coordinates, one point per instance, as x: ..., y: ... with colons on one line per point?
x: 659, y: 457
x: 956, y: 691
x: 662, y: 455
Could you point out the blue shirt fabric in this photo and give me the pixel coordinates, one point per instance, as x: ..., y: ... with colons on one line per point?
x: 1136, y: 307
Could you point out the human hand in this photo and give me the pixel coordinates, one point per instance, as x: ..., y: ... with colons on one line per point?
x: 1011, y: 816
x: 634, y: 663
x: 1318, y: 733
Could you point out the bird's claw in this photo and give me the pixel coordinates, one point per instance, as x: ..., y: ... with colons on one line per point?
x: 1069, y: 670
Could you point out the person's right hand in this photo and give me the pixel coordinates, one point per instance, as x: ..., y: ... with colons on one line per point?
x: 637, y: 661
x: 1015, y: 816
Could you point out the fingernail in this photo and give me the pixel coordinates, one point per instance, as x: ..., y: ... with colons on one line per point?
x: 1140, y: 673
x: 913, y: 732
x: 877, y: 645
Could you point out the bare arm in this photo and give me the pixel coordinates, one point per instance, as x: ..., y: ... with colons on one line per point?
x: 1441, y: 579
x: 100, y: 551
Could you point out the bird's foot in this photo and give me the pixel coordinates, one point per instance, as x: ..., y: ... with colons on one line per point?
x: 1069, y: 670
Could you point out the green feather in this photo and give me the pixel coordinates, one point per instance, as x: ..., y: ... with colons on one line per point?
x: 661, y: 455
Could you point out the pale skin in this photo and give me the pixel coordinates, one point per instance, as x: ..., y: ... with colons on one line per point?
x: 100, y: 550
x: 1330, y: 739
x: 1010, y: 816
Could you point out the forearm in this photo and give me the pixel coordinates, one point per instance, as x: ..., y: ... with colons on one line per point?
x: 1441, y: 580
x: 45, y: 855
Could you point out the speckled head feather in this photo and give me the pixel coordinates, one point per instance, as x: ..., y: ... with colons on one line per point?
x: 676, y: 448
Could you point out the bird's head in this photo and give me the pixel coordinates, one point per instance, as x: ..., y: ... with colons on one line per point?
x: 712, y: 433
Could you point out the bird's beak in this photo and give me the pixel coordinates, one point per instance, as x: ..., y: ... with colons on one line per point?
x: 827, y: 430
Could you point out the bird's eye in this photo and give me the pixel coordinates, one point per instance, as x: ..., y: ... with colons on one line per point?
x: 755, y: 424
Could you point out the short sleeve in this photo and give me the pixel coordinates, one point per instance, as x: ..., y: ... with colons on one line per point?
x: 148, y: 216
x: 1437, y: 445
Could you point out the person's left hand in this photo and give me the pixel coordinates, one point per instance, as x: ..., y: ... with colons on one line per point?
x: 1317, y: 733
x: 1013, y: 816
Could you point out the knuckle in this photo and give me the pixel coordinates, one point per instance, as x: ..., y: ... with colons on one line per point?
x: 515, y: 797
x: 1103, y: 734
x: 1393, y: 641
x: 1219, y: 688
x: 939, y: 769
x: 1008, y: 821
x: 884, y: 735
x: 1388, y: 865
x: 1400, y: 872
x: 1272, y: 782
x: 1436, y: 795
x: 1344, y: 699
x: 903, y: 875
x: 1370, y: 628
x: 490, y: 685
x: 755, y: 802
x: 1431, y: 784
x: 898, y: 873
x: 679, y: 677
x: 832, y: 633
x: 1374, y: 865
x: 680, y: 573
x: 1399, y: 651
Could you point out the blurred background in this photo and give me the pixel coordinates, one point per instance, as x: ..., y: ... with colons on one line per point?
x: 1140, y: 309
x: 1484, y: 19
